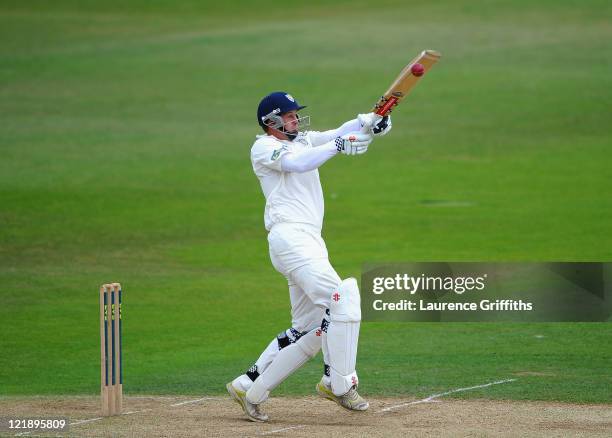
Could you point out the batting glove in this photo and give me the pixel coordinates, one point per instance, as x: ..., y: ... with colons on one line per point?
x: 367, y: 121
x: 353, y: 143
x: 374, y: 124
x: 382, y: 127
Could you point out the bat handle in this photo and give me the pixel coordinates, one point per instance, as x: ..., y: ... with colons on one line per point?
x: 386, y: 107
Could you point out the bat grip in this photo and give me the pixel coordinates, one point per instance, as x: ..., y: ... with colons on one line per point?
x: 390, y: 103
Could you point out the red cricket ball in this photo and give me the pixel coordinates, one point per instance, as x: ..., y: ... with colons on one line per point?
x: 417, y: 69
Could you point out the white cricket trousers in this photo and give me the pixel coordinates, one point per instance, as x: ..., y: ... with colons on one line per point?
x: 299, y: 253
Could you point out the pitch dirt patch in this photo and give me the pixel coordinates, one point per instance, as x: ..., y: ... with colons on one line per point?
x: 181, y: 416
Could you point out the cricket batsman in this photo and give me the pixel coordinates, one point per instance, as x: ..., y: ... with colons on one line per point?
x: 325, y: 309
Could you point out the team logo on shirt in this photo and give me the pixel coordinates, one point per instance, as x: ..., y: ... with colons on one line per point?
x: 275, y: 154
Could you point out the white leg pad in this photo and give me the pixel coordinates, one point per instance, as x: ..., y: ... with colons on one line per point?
x: 345, y: 304
x: 258, y: 393
x: 288, y: 360
x: 242, y: 382
x: 343, y: 336
x: 267, y: 356
x: 310, y: 343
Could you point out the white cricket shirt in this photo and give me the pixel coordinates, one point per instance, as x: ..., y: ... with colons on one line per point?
x: 290, y: 196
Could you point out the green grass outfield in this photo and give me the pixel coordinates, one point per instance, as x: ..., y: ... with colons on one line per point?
x: 125, y: 130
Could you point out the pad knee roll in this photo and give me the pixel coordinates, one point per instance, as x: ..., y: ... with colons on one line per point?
x: 345, y: 304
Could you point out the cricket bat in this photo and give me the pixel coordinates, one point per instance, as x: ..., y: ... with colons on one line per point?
x: 405, y: 81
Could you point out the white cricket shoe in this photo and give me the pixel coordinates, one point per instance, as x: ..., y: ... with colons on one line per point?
x: 251, y: 410
x: 351, y: 400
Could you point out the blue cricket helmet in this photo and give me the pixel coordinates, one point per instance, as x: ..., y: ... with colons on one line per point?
x: 275, y: 104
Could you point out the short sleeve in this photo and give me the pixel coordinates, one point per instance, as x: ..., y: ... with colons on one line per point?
x: 268, y: 154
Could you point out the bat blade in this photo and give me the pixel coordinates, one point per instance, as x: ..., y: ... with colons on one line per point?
x: 405, y: 81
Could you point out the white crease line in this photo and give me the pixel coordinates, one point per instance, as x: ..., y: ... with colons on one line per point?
x: 442, y: 394
x: 136, y: 412
x: 193, y: 401
x: 282, y: 430
x: 91, y: 420
x: 76, y: 423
